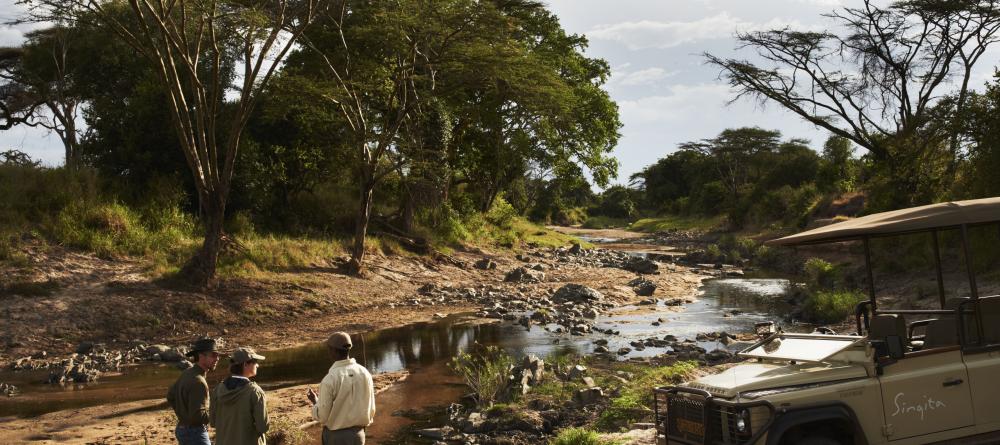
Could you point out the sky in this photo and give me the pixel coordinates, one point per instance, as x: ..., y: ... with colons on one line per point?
x: 666, y: 93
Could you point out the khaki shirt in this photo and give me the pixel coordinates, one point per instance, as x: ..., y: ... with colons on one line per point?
x: 189, y: 397
x: 346, y: 397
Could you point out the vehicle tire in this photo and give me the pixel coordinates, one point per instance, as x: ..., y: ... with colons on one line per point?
x: 819, y: 440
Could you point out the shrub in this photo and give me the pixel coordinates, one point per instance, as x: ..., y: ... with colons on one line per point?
x: 635, y: 400
x: 821, y: 273
x: 502, y: 214
x: 580, y: 436
x: 485, y: 372
x: 830, y: 306
x: 284, y: 432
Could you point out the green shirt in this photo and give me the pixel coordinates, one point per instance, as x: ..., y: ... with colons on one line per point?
x: 189, y: 397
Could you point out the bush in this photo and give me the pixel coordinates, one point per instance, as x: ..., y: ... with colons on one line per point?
x: 821, y: 273
x: 830, y: 306
x: 284, y: 432
x: 485, y: 372
x: 634, y: 402
x: 604, y: 222
x: 580, y: 436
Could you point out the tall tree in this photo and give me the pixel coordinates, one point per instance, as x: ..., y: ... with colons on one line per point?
x: 378, y: 63
x: 878, y: 81
x: 190, y: 43
x: 40, y: 85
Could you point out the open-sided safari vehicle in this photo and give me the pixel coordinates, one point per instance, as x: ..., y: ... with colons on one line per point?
x: 908, y: 376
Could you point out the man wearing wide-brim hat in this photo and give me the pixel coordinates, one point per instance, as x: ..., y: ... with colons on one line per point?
x: 239, y: 406
x: 189, y: 394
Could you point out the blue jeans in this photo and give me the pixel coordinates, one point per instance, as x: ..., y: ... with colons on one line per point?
x: 192, y: 435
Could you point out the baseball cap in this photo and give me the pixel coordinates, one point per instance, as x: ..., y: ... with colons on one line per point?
x: 245, y: 354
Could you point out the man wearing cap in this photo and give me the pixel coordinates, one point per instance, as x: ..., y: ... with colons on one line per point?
x: 239, y: 407
x: 189, y: 394
x: 345, y: 405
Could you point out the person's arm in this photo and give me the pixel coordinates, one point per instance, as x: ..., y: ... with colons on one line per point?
x: 260, y: 419
x: 198, y: 401
x: 328, y: 389
x: 371, y: 394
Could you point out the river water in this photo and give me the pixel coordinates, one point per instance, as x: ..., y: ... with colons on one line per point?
x: 425, y: 348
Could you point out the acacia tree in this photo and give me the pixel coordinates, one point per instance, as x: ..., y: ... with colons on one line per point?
x: 190, y: 43
x: 877, y: 83
x: 39, y: 86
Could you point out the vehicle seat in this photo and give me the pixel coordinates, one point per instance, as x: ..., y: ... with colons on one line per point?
x: 990, y: 310
x: 941, y: 332
x: 884, y: 325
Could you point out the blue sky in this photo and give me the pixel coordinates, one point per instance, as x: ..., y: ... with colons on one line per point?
x: 665, y: 92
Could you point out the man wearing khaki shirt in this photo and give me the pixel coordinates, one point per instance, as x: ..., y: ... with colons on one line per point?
x: 345, y: 405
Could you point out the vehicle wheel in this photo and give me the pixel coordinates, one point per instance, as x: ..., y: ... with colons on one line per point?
x: 819, y: 440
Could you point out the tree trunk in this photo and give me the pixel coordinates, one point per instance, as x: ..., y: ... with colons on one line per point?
x: 200, y: 269
x: 356, y: 265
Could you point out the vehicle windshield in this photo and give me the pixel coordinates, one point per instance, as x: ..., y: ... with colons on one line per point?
x: 801, y: 347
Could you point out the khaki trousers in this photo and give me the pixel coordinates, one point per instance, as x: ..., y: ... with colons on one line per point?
x: 346, y: 436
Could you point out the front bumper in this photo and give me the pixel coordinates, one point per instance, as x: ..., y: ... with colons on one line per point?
x: 691, y: 416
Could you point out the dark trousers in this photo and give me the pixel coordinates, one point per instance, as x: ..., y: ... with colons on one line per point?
x: 346, y: 436
x: 192, y: 435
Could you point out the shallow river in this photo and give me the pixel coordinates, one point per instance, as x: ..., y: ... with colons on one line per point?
x: 424, y: 349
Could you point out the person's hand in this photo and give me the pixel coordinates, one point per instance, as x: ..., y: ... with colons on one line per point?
x: 311, y: 395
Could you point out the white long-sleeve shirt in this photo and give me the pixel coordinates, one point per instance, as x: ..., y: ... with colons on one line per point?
x: 346, y: 397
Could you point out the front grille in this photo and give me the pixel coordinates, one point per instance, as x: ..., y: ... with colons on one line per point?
x: 683, y: 418
x: 686, y: 418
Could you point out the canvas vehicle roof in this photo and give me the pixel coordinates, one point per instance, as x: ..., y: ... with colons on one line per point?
x: 914, y: 219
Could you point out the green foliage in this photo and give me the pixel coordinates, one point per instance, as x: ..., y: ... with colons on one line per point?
x: 114, y: 230
x: 821, y: 273
x: 831, y: 306
x: 485, y: 372
x: 635, y: 399
x: 580, y: 436
x: 668, y: 223
x: 604, y: 222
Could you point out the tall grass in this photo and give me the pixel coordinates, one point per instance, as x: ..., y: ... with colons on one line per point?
x: 485, y: 372
x: 580, y: 436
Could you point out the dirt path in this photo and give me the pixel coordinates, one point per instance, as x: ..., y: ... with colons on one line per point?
x: 152, y: 422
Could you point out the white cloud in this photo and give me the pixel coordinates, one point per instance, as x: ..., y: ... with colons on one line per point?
x: 682, y: 102
x: 653, y: 34
x: 646, y: 76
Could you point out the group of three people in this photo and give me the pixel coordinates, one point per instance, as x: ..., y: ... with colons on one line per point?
x: 237, y: 407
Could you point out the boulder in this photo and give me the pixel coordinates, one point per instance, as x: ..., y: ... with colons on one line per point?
x: 485, y: 264
x: 641, y: 265
x: 643, y: 287
x: 533, y: 367
x: 577, y: 293
x: 524, y: 275
x: 576, y: 249
x: 588, y: 396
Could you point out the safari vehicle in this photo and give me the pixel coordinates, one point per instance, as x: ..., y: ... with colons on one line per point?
x: 908, y: 376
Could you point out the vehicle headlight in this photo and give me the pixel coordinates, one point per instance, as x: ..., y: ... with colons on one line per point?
x: 743, y: 422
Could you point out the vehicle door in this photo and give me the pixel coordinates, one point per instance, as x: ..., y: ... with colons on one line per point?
x: 982, y: 359
x: 926, y: 392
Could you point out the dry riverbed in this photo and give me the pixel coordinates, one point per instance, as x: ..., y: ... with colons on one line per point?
x: 111, y: 305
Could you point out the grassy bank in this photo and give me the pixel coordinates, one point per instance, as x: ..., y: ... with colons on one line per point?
x: 78, y: 210
x: 667, y: 223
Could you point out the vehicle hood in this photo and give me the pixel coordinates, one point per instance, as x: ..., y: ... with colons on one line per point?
x: 757, y: 376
